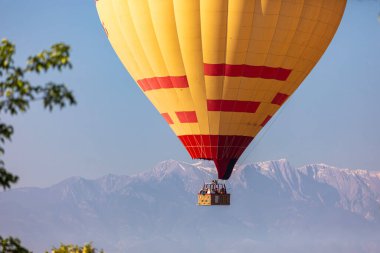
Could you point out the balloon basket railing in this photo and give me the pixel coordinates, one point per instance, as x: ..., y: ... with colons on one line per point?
x: 214, y: 194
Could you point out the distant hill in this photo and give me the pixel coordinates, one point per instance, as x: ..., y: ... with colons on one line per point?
x: 274, y: 208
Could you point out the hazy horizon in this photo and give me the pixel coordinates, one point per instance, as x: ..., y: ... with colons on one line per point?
x: 274, y: 207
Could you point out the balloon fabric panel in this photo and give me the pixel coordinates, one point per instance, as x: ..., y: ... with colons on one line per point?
x: 218, y: 70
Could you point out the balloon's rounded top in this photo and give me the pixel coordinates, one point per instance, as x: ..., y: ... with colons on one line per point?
x: 218, y: 70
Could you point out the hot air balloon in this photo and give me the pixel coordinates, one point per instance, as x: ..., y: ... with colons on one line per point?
x: 218, y: 70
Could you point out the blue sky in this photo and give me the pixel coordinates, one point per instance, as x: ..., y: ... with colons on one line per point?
x: 334, y: 117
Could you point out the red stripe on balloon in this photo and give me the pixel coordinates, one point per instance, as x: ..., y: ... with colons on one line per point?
x: 187, y: 117
x: 212, y: 147
x: 167, y: 117
x: 266, y: 120
x: 232, y: 105
x: 105, y: 29
x: 248, y: 71
x: 165, y: 82
x: 224, y: 150
x: 280, y: 98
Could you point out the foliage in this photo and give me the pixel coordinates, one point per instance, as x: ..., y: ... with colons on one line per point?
x: 12, y: 245
x: 16, y: 95
x: 87, y: 248
x: 17, y: 92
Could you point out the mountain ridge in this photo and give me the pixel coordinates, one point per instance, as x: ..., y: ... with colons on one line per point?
x: 157, y: 208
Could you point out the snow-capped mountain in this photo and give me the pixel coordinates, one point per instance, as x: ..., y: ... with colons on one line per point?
x: 274, y: 208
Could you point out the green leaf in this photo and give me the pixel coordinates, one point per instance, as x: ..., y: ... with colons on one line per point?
x: 17, y: 93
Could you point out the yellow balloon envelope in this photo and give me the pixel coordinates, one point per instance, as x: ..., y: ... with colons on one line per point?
x: 218, y: 70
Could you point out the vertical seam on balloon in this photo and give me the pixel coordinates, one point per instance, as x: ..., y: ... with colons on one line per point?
x: 329, y: 24
x: 308, y: 41
x: 184, y: 68
x: 191, y: 95
x: 224, y: 77
x: 272, y: 116
x: 291, y: 42
x: 124, y: 36
x: 272, y: 121
x: 183, y: 61
x: 240, y: 84
x: 163, y: 60
x: 275, y: 28
x: 149, y: 14
x: 203, y: 148
x: 135, y: 64
x: 244, y: 62
x: 154, y: 99
x: 226, y: 148
x: 203, y: 60
x: 311, y: 33
x: 274, y: 32
x: 246, y: 53
x: 203, y: 39
x: 165, y: 97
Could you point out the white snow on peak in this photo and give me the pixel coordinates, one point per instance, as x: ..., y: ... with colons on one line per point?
x: 267, y: 196
x: 205, y: 165
x: 268, y: 165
